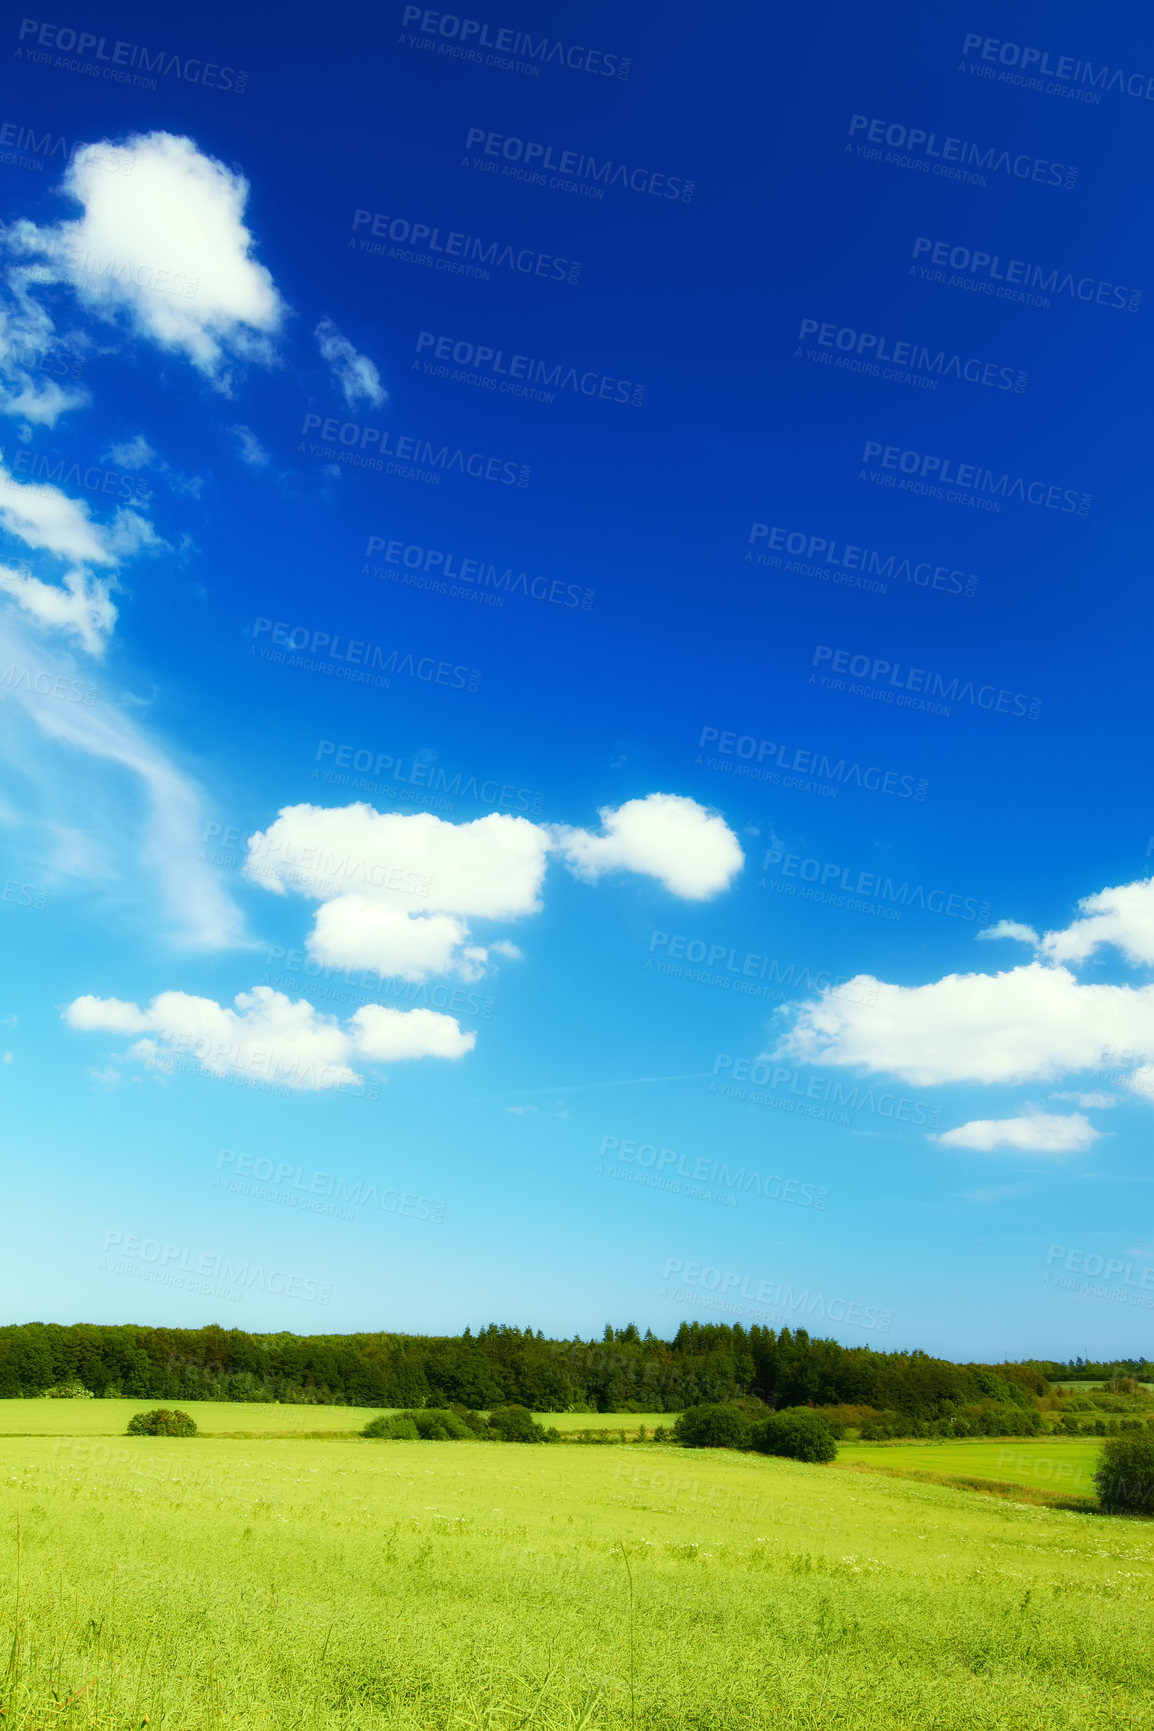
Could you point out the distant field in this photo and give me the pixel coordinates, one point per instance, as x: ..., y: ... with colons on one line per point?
x: 1052, y: 1464
x: 216, y: 1417
x: 274, y: 1584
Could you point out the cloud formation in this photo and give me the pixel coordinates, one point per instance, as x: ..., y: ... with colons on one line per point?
x: 398, y: 891
x: 161, y: 241
x: 691, y: 850
x: 1035, y: 1133
x: 354, y: 374
x: 269, y: 1036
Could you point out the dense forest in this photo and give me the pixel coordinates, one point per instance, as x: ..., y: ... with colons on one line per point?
x: 621, y: 1372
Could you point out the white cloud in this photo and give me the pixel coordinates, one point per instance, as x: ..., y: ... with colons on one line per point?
x: 354, y: 374
x: 45, y: 518
x: 689, y: 849
x: 398, y: 890
x: 491, y: 867
x: 162, y: 240
x: 1009, y: 929
x: 270, y: 1036
x: 389, y: 1035
x: 1093, y: 1102
x: 1122, y: 916
x: 134, y: 453
x: 357, y: 932
x: 1032, y: 1023
x: 59, y: 528
x: 103, y: 799
x: 252, y: 451
x: 1035, y: 1133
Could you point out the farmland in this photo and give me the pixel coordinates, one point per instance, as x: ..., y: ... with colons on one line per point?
x: 279, y: 1581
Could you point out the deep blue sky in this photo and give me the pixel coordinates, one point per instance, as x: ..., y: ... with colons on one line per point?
x: 797, y: 249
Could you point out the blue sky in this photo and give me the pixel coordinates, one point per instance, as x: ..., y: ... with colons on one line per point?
x: 579, y: 757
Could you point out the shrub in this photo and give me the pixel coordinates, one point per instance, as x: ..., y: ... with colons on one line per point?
x: 68, y: 1391
x: 439, y: 1424
x: 391, y: 1427
x: 1125, y: 1473
x: 797, y: 1432
x: 161, y: 1421
x: 515, y: 1424
x: 714, y: 1426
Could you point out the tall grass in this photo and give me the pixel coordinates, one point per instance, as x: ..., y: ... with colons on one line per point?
x: 292, y: 1584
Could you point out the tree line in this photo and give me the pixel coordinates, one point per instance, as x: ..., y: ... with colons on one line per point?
x: 499, y: 1365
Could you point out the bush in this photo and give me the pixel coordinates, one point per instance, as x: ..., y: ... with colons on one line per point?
x: 161, y: 1421
x: 68, y: 1391
x: 439, y: 1424
x: 515, y: 1424
x: 391, y: 1427
x: 796, y: 1432
x: 1125, y: 1473
x: 723, y: 1425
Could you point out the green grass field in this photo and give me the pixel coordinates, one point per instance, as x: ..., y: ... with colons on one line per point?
x: 1057, y: 1464
x: 228, y: 1418
x: 274, y: 1582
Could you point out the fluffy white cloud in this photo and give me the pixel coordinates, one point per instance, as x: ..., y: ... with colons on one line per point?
x: 270, y: 1036
x: 1032, y: 1023
x: 1035, y: 1133
x: 689, y: 849
x: 389, y: 1035
x: 163, y: 241
x: 1122, y: 916
x: 60, y: 528
x: 353, y: 374
x: 1009, y: 929
x: 492, y: 867
x: 397, y: 890
x: 359, y: 932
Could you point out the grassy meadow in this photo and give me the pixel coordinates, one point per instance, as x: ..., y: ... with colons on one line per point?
x: 286, y: 1581
x: 1063, y: 1466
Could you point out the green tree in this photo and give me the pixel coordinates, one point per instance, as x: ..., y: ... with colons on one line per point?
x: 798, y: 1433
x: 1124, y: 1475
